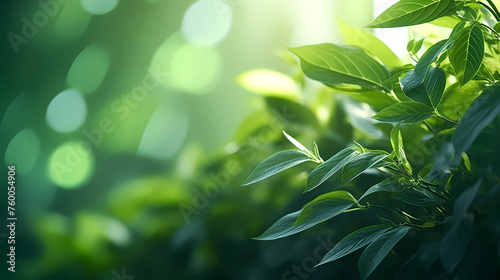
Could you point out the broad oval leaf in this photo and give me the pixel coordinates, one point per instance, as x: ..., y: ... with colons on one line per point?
x: 390, y: 184
x: 325, y: 206
x: 480, y: 113
x: 333, y: 65
x: 412, y: 12
x: 284, y: 227
x: 361, y: 163
x: 330, y: 167
x: 354, y: 241
x: 276, y: 163
x: 406, y: 112
x: 361, y: 38
x: 429, y: 90
x: 378, y: 249
x: 467, y: 53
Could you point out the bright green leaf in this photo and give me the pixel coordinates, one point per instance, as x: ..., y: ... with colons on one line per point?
x: 412, y: 12
x: 354, y: 241
x: 297, y: 144
x: 398, y: 148
x: 330, y: 167
x: 481, y: 112
x: 268, y: 82
x: 467, y: 53
x: 361, y: 163
x: 378, y: 249
x: 406, y: 112
x: 369, y: 42
x: 325, y: 206
x: 430, y: 56
x: 276, y: 163
x: 333, y: 65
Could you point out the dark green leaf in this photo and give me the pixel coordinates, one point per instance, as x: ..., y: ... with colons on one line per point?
x: 430, y: 57
x: 419, y: 197
x: 361, y: 163
x: 465, y: 199
x: 284, y: 227
x: 276, y: 163
x: 467, y: 53
x: 406, y: 112
x: 325, y: 206
x: 330, y: 167
x: 332, y: 65
x: 354, y: 241
x: 378, y: 249
x: 390, y: 184
x: 429, y: 90
x: 481, y: 112
x: 412, y: 12
x: 455, y: 241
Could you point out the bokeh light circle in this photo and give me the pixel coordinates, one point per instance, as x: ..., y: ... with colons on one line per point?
x: 99, y: 7
x: 89, y: 69
x: 207, y: 22
x: 71, y: 164
x: 23, y: 151
x: 67, y: 111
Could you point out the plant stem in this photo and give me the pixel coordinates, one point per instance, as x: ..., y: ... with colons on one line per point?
x: 445, y: 118
x: 490, y: 10
x: 492, y: 30
x: 430, y: 128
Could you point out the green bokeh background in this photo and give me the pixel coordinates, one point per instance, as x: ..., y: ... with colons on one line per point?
x: 149, y: 126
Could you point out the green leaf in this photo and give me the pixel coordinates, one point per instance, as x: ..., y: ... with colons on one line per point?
x: 406, y: 112
x: 430, y: 56
x: 390, y: 184
x: 467, y: 53
x: 481, y: 112
x: 284, y: 227
x: 398, y: 148
x: 276, y: 163
x: 465, y: 199
x: 361, y: 163
x: 330, y: 167
x: 421, y: 198
x: 354, y: 241
x: 298, y: 144
x: 333, y: 65
x: 378, y: 249
x: 361, y: 38
x: 412, y: 12
x: 325, y: 206
x: 429, y: 90
x: 455, y: 241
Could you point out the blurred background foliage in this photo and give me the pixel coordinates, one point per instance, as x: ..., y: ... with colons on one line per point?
x: 132, y: 125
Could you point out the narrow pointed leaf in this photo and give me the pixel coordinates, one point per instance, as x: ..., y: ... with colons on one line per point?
x: 276, y: 163
x: 297, y: 143
x: 325, y: 206
x: 388, y: 185
x: 430, y: 56
x: 406, y: 112
x: 330, y: 167
x: 378, y: 249
x: 333, y: 65
x: 467, y: 53
x: 480, y: 113
x: 284, y: 227
x: 455, y: 241
x: 353, y: 242
x: 412, y: 12
x: 361, y: 163
x: 419, y: 197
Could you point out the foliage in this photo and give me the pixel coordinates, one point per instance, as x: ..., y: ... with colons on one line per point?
x: 440, y: 191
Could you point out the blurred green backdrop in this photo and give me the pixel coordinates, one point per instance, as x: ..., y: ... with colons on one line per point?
x: 132, y: 125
